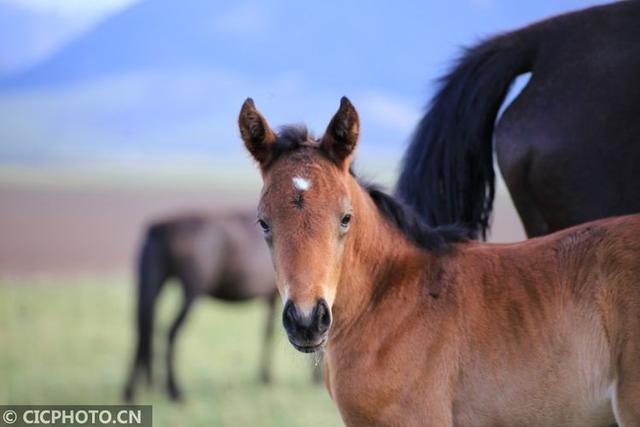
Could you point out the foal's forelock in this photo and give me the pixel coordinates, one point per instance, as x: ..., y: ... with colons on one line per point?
x: 290, y: 139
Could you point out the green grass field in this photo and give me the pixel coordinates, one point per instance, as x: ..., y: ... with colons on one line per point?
x: 71, y: 342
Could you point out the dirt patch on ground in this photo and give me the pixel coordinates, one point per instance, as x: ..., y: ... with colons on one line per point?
x: 74, y: 232
x: 71, y: 231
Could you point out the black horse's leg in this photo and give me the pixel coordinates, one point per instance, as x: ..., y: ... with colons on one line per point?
x: 173, y: 389
x: 267, y: 346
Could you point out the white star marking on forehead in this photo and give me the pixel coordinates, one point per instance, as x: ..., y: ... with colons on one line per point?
x: 301, y: 184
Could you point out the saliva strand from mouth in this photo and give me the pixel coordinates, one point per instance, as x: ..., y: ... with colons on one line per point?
x: 317, y: 358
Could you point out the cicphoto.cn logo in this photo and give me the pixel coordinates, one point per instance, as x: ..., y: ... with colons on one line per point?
x: 66, y: 415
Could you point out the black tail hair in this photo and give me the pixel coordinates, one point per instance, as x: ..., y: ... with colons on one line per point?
x: 152, y: 273
x: 447, y: 174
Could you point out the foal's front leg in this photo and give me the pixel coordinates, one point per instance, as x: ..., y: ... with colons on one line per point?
x: 442, y: 419
x: 432, y: 413
x: 626, y: 400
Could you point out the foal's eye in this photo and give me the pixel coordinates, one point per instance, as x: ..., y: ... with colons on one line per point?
x: 344, y: 222
x: 265, y: 227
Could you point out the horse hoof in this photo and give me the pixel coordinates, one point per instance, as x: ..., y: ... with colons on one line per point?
x: 175, y: 395
x: 265, y: 377
x: 127, y: 396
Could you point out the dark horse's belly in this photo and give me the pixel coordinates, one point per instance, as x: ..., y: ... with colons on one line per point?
x: 238, y: 288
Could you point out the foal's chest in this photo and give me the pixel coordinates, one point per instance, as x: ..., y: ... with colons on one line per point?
x: 370, y: 391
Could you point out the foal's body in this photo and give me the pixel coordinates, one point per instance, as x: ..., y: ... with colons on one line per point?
x: 421, y: 328
x: 476, y: 337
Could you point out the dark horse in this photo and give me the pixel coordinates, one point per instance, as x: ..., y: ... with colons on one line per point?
x: 221, y: 256
x: 568, y: 146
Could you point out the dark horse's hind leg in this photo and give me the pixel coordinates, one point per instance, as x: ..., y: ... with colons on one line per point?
x: 267, y: 347
x: 516, y: 172
x: 172, y: 386
x: 529, y: 212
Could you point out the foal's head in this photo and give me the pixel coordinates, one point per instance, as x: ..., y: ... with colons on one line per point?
x: 305, y: 212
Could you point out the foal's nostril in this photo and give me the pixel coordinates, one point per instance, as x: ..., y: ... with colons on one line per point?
x: 323, y: 316
x: 289, y: 317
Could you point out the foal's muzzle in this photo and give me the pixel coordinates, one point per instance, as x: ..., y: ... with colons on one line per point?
x: 307, y: 333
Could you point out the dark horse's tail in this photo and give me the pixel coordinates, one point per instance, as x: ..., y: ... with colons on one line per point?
x: 152, y: 273
x: 447, y: 173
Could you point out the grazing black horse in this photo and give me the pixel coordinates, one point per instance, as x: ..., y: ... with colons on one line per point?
x: 222, y: 256
x: 568, y: 146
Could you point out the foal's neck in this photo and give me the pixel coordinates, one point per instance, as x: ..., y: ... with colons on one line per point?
x: 378, y: 261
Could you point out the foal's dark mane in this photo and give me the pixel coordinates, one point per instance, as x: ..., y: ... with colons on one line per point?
x: 402, y: 216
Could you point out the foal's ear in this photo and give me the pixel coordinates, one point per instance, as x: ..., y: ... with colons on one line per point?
x: 342, y: 133
x: 256, y: 133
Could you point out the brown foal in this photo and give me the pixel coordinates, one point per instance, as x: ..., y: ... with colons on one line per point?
x: 420, y: 327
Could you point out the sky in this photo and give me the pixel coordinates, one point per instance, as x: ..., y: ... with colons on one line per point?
x: 72, y: 9
x: 38, y: 28
x: 59, y: 21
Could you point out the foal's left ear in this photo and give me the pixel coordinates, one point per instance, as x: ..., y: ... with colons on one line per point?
x: 341, y: 136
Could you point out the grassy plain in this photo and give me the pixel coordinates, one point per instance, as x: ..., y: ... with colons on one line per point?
x: 70, y: 342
